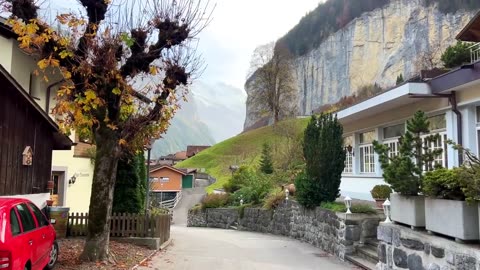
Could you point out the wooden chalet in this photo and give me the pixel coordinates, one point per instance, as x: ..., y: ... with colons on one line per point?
x: 27, y: 138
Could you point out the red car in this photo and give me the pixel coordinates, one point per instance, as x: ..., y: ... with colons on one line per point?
x: 27, y: 239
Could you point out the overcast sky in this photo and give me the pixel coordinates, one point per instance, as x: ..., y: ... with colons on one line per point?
x: 238, y: 27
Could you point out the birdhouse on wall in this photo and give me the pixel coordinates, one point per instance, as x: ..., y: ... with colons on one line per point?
x: 27, y: 156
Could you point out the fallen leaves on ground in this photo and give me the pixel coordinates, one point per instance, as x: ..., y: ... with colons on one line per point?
x: 126, y: 256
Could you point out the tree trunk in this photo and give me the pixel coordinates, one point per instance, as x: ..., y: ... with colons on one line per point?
x: 104, y: 175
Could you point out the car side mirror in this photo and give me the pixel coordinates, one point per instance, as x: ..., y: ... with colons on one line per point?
x: 53, y: 221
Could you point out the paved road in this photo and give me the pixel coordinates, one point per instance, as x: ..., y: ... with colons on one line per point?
x: 190, y: 197
x: 212, y: 249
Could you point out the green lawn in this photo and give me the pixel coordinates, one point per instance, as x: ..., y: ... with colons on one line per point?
x: 244, y: 149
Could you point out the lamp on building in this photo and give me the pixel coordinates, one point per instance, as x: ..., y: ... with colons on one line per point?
x: 348, y: 204
x: 286, y: 194
x: 72, y: 179
x: 386, y: 210
x: 349, y: 149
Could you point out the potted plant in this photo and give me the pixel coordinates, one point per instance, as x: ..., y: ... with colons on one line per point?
x: 446, y: 209
x: 404, y: 171
x: 380, y: 193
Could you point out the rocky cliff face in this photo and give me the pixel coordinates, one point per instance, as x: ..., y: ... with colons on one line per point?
x: 374, y: 48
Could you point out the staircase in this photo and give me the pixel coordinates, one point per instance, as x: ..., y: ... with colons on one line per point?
x: 366, y: 256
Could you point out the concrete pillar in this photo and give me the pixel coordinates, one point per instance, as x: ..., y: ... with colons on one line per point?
x: 452, y: 155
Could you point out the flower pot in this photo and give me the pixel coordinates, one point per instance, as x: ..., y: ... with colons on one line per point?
x: 452, y: 218
x: 379, y: 203
x: 409, y: 210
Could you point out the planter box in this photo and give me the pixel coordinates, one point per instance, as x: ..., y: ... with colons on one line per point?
x: 409, y: 210
x: 452, y: 218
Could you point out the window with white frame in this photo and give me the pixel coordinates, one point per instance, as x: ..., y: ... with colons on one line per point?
x: 391, y: 135
x: 438, y: 124
x: 348, y: 143
x: 367, y: 155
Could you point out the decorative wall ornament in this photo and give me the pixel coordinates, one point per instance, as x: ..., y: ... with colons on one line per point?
x: 27, y: 156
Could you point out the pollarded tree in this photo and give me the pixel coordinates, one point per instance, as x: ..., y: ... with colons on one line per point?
x: 124, y: 67
x: 272, y: 80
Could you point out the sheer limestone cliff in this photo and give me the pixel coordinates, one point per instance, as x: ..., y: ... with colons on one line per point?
x: 373, y: 48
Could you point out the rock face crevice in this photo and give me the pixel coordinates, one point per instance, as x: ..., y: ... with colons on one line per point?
x: 374, y: 48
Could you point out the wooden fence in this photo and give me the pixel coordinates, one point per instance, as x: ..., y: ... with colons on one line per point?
x: 125, y: 225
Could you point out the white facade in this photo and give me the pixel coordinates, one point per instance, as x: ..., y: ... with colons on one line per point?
x: 383, y: 118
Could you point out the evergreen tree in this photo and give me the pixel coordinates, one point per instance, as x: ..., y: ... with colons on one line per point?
x: 130, y: 187
x: 266, y: 162
x: 325, y: 160
x: 400, y: 79
x: 456, y: 55
x: 404, y: 172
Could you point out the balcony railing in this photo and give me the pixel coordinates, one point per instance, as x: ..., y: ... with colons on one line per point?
x: 475, y: 52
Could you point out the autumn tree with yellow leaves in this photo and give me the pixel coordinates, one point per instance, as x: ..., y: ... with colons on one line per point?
x: 123, y: 67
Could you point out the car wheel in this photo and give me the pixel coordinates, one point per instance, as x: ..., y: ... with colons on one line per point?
x: 53, y: 256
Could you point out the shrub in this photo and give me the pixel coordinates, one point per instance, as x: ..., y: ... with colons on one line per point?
x: 159, y: 211
x: 255, y: 191
x: 196, y: 208
x: 325, y: 160
x: 363, y: 209
x: 381, y: 192
x: 240, y: 178
x: 444, y: 184
x: 356, y: 208
x: 215, y: 200
x: 334, y: 206
x: 274, y: 200
x: 456, y: 55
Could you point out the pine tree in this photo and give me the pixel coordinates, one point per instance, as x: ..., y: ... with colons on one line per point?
x: 266, y: 162
x: 400, y: 79
x: 404, y: 172
x: 325, y: 160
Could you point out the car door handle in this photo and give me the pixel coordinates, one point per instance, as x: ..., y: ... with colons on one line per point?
x: 30, y: 242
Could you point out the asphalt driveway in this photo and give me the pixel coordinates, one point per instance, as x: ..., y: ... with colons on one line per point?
x: 202, y: 249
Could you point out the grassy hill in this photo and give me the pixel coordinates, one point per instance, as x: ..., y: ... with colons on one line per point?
x: 245, y: 149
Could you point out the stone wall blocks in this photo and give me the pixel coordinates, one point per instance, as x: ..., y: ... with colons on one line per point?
x: 382, y: 252
x: 384, y: 233
x: 433, y: 266
x: 437, y: 252
x: 412, y: 244
x: 414, y: 262
x: 400, y: 258
x: 465, y: 262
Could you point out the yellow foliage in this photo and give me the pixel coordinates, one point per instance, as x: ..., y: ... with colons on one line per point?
x: 122, y: 142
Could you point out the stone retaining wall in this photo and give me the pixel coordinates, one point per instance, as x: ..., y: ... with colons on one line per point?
x: 336, y: 233
x: 403, y: 248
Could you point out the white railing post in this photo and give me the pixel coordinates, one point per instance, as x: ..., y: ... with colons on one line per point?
x: 475, y: 52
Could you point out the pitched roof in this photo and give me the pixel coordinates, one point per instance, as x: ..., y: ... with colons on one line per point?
x: 192, y: 150
x: 61, y: 141
x: 471, y: 32
x: 161, y: 167
x: 182, y: 155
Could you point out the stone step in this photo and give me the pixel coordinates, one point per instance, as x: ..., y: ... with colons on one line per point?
x: 372, y: 242
x: 361, y: 262
x: 368, y: 253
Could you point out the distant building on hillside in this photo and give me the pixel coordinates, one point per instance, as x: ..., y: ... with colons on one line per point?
x: 192, y: 150
x: 172, y: 159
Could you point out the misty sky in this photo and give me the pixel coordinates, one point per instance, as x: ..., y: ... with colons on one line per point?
x: 236, y: 29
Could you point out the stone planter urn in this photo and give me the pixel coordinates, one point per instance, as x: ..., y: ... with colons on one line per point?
x: 409, y: 210
x: 452, y: 218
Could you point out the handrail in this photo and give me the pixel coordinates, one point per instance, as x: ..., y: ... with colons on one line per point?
x: 474, y: 52
x: 172, y: 202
